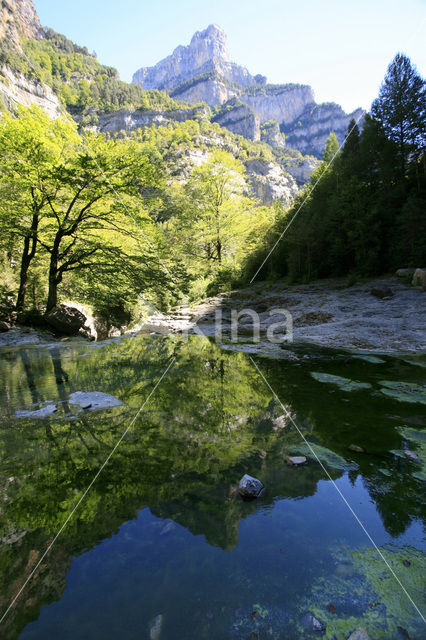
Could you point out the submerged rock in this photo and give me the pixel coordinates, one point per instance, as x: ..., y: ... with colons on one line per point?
x: 155, y: 627
x: 404, y: 391
x: 313, y: 624
x: 295, y: 461
x: 359, y: 634
x: 356, y: 448
x: 411, y: 455
x: 94, y: 400
x: 250, y: 487
x: 345, y: 384
x: 43, y: 412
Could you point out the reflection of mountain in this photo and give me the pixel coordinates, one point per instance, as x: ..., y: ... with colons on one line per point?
x: 210, y: 421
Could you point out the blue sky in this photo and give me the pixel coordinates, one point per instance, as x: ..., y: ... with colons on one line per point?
x: 340, y: 47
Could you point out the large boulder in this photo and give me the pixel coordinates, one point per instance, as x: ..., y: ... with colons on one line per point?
x: 250, y: 487
x: 66, y: 320
x: 419, y: 278
x: 405, y: 273
x: 4, y: 326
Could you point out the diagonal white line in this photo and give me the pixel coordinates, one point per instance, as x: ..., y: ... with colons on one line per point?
x: 95, y: 477
x: 339, y: 492
x: 306, y: 198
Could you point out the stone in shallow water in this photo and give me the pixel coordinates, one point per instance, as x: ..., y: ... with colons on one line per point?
x: 250, y: 487
x: 404, y: 391
x: 313, y: 624
x: 356, y: 448
x: 155, y: 627
x: 94, y: 400
x: 44, y: 412
x: 295, y: 461
x: 345, y: 384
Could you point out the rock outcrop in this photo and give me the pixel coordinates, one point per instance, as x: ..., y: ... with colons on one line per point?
x: 238, y: 118
x: 270, y: 182
x: 19, y: 18
x: 205, y: 53
x: 203, y: 71
x: 130, y: 120
x: 17, y: 89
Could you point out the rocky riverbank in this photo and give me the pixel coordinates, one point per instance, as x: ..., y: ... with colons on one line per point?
x: 376, y: 315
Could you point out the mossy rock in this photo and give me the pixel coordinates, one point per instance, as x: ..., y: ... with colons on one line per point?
x: 404, y: 391
x: 326, y: 456
x: 345, y: 384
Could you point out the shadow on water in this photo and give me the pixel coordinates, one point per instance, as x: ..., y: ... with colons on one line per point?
x: 163, y: 535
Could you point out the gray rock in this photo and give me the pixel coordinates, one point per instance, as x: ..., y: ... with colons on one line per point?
x: 404, y: 273
x: 411, y: 455
x: 43, y: 412
x: 313, y: 624
x: 382, y: 292
x: 4, y: 326
x: 155, y: 627
x: 94, y: 400
x: 359, y: 634
x: 419, y: 278
x: 295, y: 461
x: 250, y: 487
x: 66, y: 320
x: 356, y: 448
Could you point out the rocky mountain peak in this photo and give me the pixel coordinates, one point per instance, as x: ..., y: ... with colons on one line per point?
x: 213, y: 41
x: 204, y: 55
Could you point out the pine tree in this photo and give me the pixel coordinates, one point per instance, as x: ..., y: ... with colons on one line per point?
x: 401, y: 108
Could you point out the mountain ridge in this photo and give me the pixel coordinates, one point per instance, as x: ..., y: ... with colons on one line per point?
x: 203, y: 71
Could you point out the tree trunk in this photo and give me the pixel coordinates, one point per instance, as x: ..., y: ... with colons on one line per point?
x: 54, y: 276
x: 27, y: 256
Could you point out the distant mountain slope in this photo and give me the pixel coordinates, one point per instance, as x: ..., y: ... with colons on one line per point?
x: 42, y: 67
x: 203, y: 71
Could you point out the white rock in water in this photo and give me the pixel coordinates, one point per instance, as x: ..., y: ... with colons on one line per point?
x: 94, y: 400
x: 411, y: 455
x: 44, y: 412
x: 155, y: 627
x: 250, y: 487
x: 296, y: 460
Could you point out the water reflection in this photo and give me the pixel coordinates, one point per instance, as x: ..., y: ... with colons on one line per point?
x: 210, y: 421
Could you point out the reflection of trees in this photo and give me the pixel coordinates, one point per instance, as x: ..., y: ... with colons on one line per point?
x: 210, y: 420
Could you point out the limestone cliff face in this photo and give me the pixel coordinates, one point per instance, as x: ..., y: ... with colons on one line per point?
x: 309, y: 132
x: 270, y: 182
x: 206, y: 52
x: 129, y: 120
x: 212, y: 90
x: 16, y: 89
x: 19, y: 17
x: 203, y: 71
x: 239, y: 119
x: 281, y: 103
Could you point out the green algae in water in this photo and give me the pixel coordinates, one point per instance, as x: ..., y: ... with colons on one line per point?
x: 372, y: 359
x: 418, y: 438
x: 404, y: 391
x: 372, y: 598
x: 345, y: 384
x: 325, y: 456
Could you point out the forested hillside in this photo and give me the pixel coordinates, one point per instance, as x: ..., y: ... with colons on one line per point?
x: 364, y: 210
x: 149, y: 214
